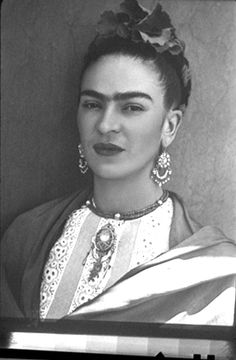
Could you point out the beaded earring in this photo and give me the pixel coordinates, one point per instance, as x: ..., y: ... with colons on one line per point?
x: 83, y: 165
x: 161, y: 172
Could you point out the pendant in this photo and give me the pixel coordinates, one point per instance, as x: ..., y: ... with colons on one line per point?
x: 105, y: 238
x: 103, y: 249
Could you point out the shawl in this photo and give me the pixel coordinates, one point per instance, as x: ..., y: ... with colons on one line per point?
x: 193, y: 283
x: 170, y: 279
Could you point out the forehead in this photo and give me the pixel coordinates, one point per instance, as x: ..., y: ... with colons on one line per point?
x: 121, y: 73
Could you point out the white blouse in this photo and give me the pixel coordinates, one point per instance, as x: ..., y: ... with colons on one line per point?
x: 75, y: 273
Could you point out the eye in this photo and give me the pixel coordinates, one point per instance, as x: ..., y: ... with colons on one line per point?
x: 133, y: 108
x: 91, y: 105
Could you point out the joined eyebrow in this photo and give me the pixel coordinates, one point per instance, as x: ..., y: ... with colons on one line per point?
x: 117, y: 96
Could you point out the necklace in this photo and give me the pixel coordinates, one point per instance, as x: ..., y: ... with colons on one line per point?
x: 135, y: 214
x: 104, y: 241
x: 103, y: 247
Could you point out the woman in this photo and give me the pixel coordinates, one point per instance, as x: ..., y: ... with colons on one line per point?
x: 124, y: 248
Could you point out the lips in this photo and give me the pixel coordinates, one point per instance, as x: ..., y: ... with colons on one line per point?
x: 107, y: 149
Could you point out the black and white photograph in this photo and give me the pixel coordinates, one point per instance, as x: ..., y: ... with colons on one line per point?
x: 118, y: 176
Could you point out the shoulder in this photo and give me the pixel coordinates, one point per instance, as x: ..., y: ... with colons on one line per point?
x: 181, y: 215
x: 35, y: 223
x: 185, y: 229
x: 52, y: 208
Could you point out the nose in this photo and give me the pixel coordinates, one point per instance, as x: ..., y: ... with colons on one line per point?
x: 108, y: 121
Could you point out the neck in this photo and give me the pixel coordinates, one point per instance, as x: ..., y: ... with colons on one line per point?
x: 122, y: 196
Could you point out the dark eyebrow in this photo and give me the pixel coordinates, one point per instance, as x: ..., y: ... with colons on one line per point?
x: 95, y: 94
x: 117, y: 96
x: 131, y: 94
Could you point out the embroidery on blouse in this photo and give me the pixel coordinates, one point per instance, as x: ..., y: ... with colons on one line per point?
x: 153, y: 235
x: 152, y: 239
x: 58, y: 258
x: 90, y: 287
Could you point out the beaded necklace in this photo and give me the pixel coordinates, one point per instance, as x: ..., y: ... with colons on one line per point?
x: 135, y: 214
x: 104, y: 241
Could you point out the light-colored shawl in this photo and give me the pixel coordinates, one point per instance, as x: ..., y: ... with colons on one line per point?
x: 193, y: 283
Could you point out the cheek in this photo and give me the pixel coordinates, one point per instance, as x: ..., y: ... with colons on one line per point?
x: 79, y: 122
x: 83, y: 126
x: 148, y: 137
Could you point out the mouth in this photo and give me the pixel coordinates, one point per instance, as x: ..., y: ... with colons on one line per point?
x: 108, y: 149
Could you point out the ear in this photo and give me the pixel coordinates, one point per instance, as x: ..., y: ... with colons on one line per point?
x: 170, y: 126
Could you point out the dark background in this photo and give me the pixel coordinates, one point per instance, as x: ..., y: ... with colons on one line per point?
x: 43, y: 43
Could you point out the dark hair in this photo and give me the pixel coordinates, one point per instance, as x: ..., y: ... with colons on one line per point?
x: 169, y: 67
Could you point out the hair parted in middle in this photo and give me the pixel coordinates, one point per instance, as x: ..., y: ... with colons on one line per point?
x: 150, y: 37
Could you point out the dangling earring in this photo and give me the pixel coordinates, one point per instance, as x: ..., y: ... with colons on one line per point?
x: 83, y: 165
x: 161, y: 172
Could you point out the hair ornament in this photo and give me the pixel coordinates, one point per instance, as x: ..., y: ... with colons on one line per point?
x: 138, y: 24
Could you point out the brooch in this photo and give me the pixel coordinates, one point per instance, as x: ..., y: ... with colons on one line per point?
x: 103, y: 246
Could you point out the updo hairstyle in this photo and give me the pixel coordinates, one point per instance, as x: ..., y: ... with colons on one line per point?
x: 169, y: 68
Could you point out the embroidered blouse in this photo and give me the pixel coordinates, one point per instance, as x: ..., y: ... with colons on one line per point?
x: 76, y: 272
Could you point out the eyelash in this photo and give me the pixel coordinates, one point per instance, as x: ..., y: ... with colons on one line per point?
x: 133, y: 108
x: 130, y: 108
x: 91, y: 105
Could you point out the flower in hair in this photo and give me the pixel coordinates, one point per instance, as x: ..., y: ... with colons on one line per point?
x: 137, y: 24
x: 112, y: 24
x: 133, y: 10
x: 155, y: 22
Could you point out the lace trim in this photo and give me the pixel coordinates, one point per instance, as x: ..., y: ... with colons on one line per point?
x: 58, y: 258
x: 152, y: 239
x: 88, y: 289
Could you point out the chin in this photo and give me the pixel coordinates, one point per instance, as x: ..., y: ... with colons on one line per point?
x: 110, y: 172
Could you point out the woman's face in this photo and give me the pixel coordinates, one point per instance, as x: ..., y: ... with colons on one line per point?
x: 120, y: 117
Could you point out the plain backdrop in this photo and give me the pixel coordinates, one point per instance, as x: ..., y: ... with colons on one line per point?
x: 43, y: 43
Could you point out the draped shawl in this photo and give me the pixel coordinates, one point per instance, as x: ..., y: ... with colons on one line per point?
x: 194, y: 282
